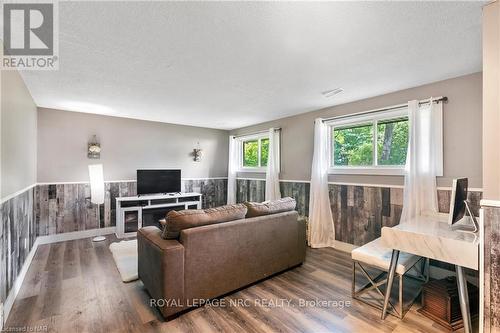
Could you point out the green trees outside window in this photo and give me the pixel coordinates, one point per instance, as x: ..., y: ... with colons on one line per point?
x: 354, y: 145
x: 392, y: 141
x: 255, y: 153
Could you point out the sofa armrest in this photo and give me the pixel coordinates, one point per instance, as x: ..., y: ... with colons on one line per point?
x: 161, y: 269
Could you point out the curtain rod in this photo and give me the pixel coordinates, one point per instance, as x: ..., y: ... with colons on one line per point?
x: 394, y: 107
x: 255, y: 133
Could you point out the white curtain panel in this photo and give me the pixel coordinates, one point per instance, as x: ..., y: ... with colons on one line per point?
x: 321, y: 227
x: 273, y: 166
x: 231, y: 170
x: 422, y: 165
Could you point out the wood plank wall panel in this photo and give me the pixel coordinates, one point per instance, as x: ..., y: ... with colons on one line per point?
x: 491, y: 269
x: 444, y: 197
x: 255, y: 190
x: 111, y: 192
x: 17, y: 236
x: 250, y: 190
x: 61, y: 208
x: 359, y: 212
x: 64, y: 208
x: 299, y: 191
x: 214, y: 191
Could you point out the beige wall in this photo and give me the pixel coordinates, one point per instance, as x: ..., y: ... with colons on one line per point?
x: 491, y: 107
x: 127, y: 145
x: 462, y: 132
x: 18, y: 134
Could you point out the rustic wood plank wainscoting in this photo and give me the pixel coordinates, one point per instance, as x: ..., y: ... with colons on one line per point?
x: 17, y: 237
x: 56, y: 209
x: 491, y: 259
x: 61, y: 208
x: 359, y: 212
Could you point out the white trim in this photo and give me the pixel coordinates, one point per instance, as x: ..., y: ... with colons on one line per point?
x: 481, y: 269
x: 15, y: 194
x: 202, y: 178
x: 344, y: 247
x: 16, y: 287
x: 372, y: 118
x: 369, y: 116
x: 369, y: 170
x: 364, y: 119
x: 484, y: 202
x: 294, y: 181
x: 490, y: 203
x: 40, y: 240
x: 252, y: 169
x: 244, y: 178
x: 120, y: 181
x: 366, y: 185
x: 443, y: 188
x: 240, y: 140
x: 75, y: 235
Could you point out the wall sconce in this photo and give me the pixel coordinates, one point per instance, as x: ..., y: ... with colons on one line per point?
x: 94, y: 149
x: 197, y: 153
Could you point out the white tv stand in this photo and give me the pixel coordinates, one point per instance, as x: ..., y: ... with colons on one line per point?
x: 131, y: 211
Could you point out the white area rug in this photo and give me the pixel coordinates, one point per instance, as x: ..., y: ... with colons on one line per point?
x: 125, y: 256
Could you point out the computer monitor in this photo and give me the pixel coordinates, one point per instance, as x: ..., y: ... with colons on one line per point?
x: 459, y: 207
x: 457, y: 200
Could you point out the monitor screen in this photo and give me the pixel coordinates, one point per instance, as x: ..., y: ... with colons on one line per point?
x: 158, y: 181
x: 457, y: 200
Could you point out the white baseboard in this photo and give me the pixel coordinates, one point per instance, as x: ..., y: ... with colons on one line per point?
x: 344, y: 247
x: 75, y: 235
x: 11, y: 297
x: 338, y: 245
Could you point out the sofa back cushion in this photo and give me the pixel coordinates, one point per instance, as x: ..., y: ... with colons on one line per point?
x: 191, y: 218
x: 270, y: 207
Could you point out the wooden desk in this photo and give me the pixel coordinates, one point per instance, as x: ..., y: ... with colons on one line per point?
x: 433, y: 238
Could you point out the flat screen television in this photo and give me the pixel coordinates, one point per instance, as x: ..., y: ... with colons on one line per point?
x: 158, y: 181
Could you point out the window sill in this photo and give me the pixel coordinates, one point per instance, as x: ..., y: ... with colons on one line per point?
x: 387, y: 171
x: 254, y: 170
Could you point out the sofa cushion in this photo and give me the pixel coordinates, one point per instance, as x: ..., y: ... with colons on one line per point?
x: 270, y: 207
x: 191, y: 218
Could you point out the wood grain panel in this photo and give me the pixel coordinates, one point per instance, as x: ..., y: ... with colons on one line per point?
x: 17, y: 236
x: 491, y: 269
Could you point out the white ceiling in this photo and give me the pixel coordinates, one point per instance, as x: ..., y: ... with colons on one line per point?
x: 231, y: 64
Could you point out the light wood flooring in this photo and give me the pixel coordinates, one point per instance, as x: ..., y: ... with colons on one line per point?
x: 74, y: 286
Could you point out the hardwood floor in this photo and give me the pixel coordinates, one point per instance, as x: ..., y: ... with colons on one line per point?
x: 74, y: 286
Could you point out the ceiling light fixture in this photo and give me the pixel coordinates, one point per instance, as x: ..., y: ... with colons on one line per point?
x: 331, y: 93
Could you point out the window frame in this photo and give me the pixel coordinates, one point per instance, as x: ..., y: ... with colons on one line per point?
x: 365, y: 119
x: 241, y: 140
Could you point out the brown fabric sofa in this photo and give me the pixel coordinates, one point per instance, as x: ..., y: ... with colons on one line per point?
x: 213, y: 260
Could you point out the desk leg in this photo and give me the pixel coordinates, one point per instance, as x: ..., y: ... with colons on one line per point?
x: 464, y: 299
x: 390, y: 279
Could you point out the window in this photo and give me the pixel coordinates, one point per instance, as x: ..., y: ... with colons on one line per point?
x: 369, y: 144
x: 254, y: 153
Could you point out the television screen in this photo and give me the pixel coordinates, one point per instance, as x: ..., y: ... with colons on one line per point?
x: 457, y: 202
x: 158, y: 181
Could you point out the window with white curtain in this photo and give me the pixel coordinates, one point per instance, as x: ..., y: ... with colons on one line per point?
x: 253, y: 152
x: 374, y: 143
